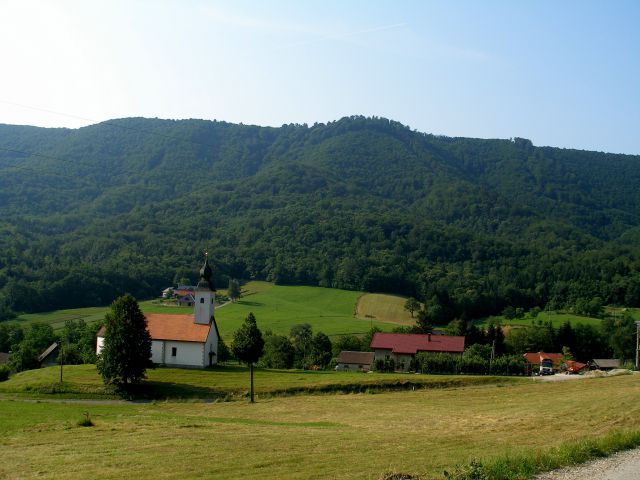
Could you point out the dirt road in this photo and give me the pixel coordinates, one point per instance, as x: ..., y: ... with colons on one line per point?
x: 622, y: 466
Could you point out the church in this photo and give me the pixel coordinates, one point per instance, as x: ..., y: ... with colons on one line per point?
x: 189, y: 341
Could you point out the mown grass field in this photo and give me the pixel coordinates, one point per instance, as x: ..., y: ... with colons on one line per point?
x: 384, y: 308
x: 228, y: 381
x: 351, y: 436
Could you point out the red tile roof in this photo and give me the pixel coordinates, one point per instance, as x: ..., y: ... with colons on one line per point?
x: 534, y: 358
x: 173, y: 327
x: 409, y: 343
x: 183, y: 293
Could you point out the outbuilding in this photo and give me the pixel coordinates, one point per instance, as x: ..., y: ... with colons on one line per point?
x: 605, y: 363
x: 354, y: 361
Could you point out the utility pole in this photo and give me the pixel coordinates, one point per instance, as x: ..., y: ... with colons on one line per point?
x: 493, y: 355
x: 638, y: 345
x: 60, y: 355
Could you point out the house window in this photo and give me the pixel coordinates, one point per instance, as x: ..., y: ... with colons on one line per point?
x: 174, y: 351
x: 212, y: 301
x: 202, y: 300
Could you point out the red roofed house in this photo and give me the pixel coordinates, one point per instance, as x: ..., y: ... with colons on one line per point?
x: 402, y: 347
x: 184, y: 340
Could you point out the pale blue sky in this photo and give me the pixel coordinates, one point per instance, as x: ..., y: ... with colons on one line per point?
x: 560, y: 73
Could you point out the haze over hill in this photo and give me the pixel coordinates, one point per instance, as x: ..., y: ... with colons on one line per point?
x: 469, y: 225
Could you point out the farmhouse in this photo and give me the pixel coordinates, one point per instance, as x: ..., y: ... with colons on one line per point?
x: 354, y: 361
x: 189, y: 341
x: 402, y: 347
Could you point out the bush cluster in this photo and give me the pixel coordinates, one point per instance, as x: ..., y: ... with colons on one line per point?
x: 468, y: 363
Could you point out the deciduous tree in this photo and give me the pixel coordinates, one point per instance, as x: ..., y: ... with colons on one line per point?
x: 248, y: 344
x: 126, y: 353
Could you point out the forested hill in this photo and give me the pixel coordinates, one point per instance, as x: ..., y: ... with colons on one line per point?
x: 468, y: 225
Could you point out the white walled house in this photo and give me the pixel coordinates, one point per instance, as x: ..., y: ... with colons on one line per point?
x: 189, y: 341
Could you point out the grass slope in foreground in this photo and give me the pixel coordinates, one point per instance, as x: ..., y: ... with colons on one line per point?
x: 312, y: 436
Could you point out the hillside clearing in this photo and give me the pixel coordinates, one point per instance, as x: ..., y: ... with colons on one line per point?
x: 278, y: 308
x: 384, y: 308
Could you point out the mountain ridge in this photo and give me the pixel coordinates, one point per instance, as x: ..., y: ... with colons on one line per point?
x: 345, y: 204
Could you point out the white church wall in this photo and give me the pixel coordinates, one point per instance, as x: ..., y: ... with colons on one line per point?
x: 211, y: 346
x: 186, y: 353
x: 156, y: 351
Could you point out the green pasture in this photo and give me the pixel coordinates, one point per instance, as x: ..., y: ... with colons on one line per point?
x: 556, y: 318
x: 57, y: 318
x: 355, y: 436
x: 278, y: 308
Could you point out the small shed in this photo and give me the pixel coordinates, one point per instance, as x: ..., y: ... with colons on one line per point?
x: 50, y: 356
x: 605, y: 363
x: 354, y: 361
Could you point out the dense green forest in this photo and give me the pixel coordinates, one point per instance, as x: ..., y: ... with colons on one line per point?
x: 470, y: 226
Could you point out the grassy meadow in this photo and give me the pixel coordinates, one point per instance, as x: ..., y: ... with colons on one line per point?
x: 556, y: 318
x: 276, y: 307
x: 353, y: 436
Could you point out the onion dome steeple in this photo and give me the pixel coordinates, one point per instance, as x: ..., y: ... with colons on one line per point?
x: 206, y: 280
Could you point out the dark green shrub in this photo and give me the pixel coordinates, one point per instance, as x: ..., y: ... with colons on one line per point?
x: 86, y: 421
x: 384, y: 365
x: 4, y: 372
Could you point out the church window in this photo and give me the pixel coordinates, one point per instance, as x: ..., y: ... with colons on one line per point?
x: 202, y: 300
x: 174, y: 351
x: 212, y: 301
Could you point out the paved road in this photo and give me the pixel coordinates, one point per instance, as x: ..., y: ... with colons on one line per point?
x: 622, y: 466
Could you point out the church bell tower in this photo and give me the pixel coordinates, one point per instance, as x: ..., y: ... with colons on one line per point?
x: 205, y: 295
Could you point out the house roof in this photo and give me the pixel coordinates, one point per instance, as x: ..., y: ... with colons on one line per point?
x: 182, y: 294
x: 173, y: 327
x: 535, y: 358
x: 410, y: 343
x: 360, y: 358
x: 606, y: 362
x: 48, y: 351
